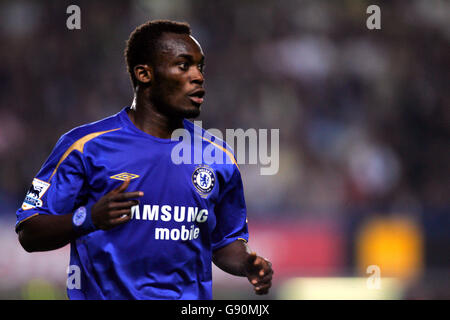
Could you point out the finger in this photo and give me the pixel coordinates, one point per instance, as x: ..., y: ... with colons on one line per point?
x: 263, y: 265
x: 262, y: 285
x: 127, y: 195
x: 263, y: 288
x: 251, y: 258
x: 260, y: 261
x: 264, y: 280
x: 267, y: 278
x: 260, y: 275
x: 123, y: 186
x: 258, y: 267
x: 123, y: 205
x: 119, y: 213
x: 120, y: 220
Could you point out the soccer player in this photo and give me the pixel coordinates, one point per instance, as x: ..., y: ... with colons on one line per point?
x: 139, y: 225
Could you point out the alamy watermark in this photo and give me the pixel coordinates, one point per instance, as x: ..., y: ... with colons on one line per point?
x: 374, y: 20
x: 73, y: 277
x: 74, y: 20
x: 251, y: 146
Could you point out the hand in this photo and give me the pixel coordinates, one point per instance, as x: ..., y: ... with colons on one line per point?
x: 259, y: 272
x: 114, y: 208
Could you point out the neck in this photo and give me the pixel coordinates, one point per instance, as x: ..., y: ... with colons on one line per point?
x: 146, y: 117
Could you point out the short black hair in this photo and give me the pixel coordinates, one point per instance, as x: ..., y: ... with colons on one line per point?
x: 140, y: 46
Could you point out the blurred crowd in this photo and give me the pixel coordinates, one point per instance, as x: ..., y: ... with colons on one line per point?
x: 363, y: 114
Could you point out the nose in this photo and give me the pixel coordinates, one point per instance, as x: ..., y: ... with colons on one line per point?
x: 197, y: 76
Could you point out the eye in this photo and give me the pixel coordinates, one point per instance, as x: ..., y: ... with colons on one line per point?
x: 183, y: 66
x: 201, y: 67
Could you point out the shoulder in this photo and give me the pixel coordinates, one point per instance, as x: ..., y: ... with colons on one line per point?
x: 102, y: 126
x: 79, y: 136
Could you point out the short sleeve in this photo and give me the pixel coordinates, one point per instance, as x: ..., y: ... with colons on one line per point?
x: 56, y: 188
x: 231, y: 214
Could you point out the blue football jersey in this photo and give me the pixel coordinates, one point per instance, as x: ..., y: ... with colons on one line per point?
x: 188, y: 209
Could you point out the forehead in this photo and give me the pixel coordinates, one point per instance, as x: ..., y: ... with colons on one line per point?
x: 172, y: 45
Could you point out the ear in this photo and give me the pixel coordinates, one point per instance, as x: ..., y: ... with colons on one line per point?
x: 143, y: 73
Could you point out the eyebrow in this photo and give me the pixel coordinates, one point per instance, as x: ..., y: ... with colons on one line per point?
x: 190, y: 57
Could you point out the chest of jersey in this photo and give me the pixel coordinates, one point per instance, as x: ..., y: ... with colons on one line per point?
x: 176, y: 196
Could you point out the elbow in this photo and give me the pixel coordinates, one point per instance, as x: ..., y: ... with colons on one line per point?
x: 25, y: 241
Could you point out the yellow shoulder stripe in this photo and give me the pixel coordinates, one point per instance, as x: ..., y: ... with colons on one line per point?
x: 224, y: 150
x: 78, y: 145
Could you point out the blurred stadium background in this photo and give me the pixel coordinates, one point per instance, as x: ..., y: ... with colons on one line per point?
x: 364, y: 132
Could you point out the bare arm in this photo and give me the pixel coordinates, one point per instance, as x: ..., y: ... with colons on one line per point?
x: 237, y: 259
x: 48, y: 232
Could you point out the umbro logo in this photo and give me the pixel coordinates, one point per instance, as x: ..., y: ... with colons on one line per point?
x: 124, y: 176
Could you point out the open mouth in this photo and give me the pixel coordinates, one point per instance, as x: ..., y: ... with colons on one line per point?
x: 197, y: 96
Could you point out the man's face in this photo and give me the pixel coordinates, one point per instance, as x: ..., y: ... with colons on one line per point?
x: 177, y: 84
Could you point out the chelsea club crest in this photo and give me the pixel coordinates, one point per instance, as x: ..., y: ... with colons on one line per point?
x: 203, y: 179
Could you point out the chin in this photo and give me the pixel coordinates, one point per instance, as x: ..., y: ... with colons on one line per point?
x: 186, y: 111
x: 190, y: 112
